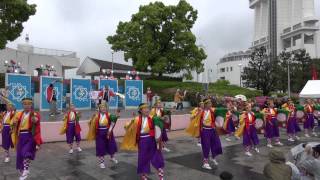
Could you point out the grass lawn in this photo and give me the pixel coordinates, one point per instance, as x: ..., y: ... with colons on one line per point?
x: 166, y: 89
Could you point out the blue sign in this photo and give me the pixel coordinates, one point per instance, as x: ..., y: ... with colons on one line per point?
x: 45, y: 81
x: 64, y: 96
x: 80, y: 93
x: 113, y: 86
x: 134, y: 93
x: 19, y: 88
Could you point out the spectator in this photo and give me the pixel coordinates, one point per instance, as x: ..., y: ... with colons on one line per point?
x: 226, y: 176
x: 311, y: 164
x: 4, y: 93
x: 132, y: 75
x: 178, y: 100
x: 295, y: 171
x: 52, y: 99
x: 149, y: 97
x: 155, y: 98
x: 109, y: 74
x: 276, y: 169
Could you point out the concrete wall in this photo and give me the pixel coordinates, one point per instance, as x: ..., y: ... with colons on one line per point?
x: 29, y: 62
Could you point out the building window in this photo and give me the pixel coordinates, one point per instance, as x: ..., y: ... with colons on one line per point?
x: 287, y: 43
x: 308, y: 39
x: 230, y: 68
x: 223, y: 78
x: 296, y: 40
x: 222, y: 70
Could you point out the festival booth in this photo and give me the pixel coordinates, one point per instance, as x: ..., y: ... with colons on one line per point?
x: 311, y: 90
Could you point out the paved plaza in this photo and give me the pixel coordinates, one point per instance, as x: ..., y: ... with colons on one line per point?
x: 183, y: 163
x: 87, y: 114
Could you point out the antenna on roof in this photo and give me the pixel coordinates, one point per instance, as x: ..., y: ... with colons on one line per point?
x: 27, y: 38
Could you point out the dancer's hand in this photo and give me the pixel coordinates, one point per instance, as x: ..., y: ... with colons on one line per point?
x: 118, y: 113
x: 37, y: 147
x: 109, y: 135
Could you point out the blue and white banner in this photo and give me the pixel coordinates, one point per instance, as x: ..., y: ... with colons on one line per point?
x: 80, y: 93
x: 113, y: 86
x: 134, y: 93
x: 57, y: 82
x: 19, y: 88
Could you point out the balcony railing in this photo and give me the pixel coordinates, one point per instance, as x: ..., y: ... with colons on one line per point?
x: 297, y: 26
x: 287, y: 30
x: 54, y: 52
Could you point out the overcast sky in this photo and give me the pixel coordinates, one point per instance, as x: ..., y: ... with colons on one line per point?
x: 223, y: 26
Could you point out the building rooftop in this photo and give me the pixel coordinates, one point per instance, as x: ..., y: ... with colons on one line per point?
x: 235, y: 56
x: 108, y: 65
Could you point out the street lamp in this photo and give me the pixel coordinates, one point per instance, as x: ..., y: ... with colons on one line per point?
x: 240, y: 65
x: 112, y: 52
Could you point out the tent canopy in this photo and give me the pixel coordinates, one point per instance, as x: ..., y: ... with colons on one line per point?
x: 311, y: 89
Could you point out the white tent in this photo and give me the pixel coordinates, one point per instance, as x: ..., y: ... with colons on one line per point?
x: 311, y: 89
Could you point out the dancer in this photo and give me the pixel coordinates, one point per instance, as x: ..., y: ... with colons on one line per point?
x: 101, y: 130
x: 105, y: 95
x: 158, y: 111
x: 144, y: 134
x: 210, y: 140
x: 194, y: 128
x: 248, y: 130
x: 71, y: 127
x: 5, y: 129
x: 26, y: 136
x: 292, y: 124
x: 309, y: 118
x: 228, y: 125
x: 271, y: 125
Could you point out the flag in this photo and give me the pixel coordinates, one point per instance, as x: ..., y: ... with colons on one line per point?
x: 314, y: 73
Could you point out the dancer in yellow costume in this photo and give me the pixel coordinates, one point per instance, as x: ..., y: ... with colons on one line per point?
x: 194, y: 129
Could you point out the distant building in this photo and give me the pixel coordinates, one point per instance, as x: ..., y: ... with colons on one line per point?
x: 287, y: 25
x: 231, y: 66
x: 32, y: 57
x: 93, y: 67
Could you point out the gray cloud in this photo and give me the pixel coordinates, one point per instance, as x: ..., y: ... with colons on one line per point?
x: 82, y: 25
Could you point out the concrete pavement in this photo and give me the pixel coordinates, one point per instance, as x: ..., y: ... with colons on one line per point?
x: 183, y: 163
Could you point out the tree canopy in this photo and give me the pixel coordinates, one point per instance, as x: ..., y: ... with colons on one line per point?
x: 12, y: 14
x: 300, y: 64
x: 272, y: 75
x: 159, y: 39
x: 260, y: 73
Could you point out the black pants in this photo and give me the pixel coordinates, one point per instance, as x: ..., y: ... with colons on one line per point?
x: 179, y: 106
x: 3, y: 107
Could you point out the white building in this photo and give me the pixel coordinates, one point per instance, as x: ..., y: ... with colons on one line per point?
x: 231, y: 66
x: 207, y: 76
x: 296, y: 25
x: 32, y: 57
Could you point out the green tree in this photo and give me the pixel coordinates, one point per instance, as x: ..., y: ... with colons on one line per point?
x: 260, y: 73
x: 12, y: 14
x: 159, y: 39
x: 301, y: 65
